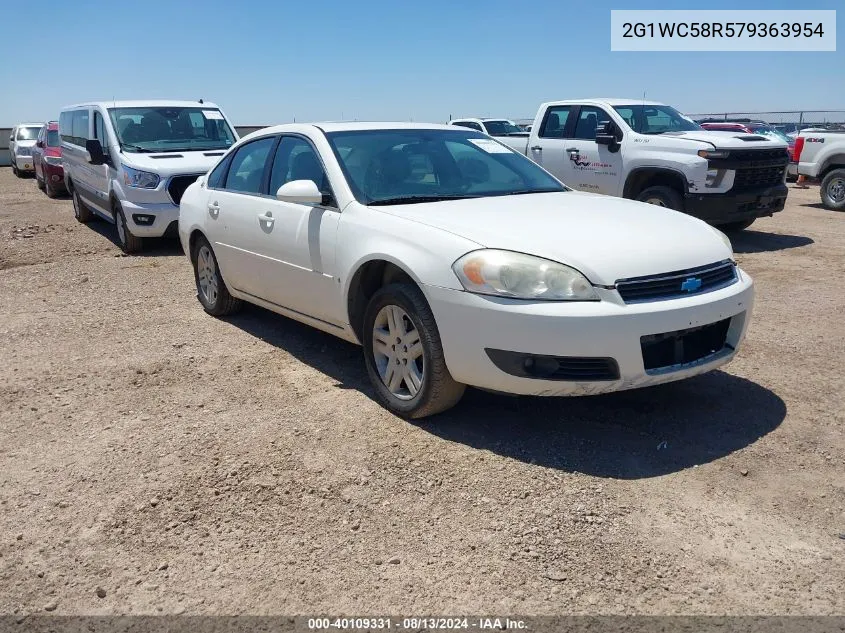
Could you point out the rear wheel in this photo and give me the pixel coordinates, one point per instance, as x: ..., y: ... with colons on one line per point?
x: 80, y: 211
x: 833, y: 190
x: 404, y: 354
x: 40, y: 182
x: 48, y: 189
x: 128, y: 242
x: 15, y: 169
x: 731, y: 227
x: 211, y: 289
x: 662, y: 196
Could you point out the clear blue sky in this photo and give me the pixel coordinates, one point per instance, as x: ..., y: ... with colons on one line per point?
x: 267, y: 61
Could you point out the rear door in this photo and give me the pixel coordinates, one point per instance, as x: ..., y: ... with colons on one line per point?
x: 547, y: 145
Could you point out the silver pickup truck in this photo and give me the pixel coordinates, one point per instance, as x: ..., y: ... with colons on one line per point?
x: 821, y: 154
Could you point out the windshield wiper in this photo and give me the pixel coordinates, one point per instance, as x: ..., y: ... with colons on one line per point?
x: 138, y: 148
x: 415, y: 199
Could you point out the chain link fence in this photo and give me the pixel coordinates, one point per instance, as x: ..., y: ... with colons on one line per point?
x: 786, y: 120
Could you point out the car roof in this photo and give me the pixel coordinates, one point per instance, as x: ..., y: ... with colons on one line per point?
x: 161, y: 103
x: 469, y: 118
x: 30, y: 124
x: 611, y: 101
x: 347, y: 126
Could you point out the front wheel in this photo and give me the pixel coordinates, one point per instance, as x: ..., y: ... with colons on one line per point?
x: 731, y: 227
x: 80, y: 211
x: 662, y: 196
x: 833, y: 190
x: 211, y: 289
x: 404, y: 355
x: 128, y: 243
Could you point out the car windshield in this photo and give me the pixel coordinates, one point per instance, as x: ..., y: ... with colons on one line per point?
x: 655, y: 119
x: 28, y: 133
x: 53, y: 138
x: 502, y: 128
x: 764, y: 130
x: 423, y: 165
x: 168, y: 129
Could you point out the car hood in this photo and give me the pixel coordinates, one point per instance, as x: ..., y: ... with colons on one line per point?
x: 25, y: 143
x: 725, y: 139
x: 605, y: 238
x: 173, y: 163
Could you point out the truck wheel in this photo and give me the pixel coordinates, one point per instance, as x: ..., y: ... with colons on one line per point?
x: 404, y: 355
x: 732, y: 227
x: 128, y: 242
x: 833, y: 190
x: 662, y: 197
x: 80, y: 211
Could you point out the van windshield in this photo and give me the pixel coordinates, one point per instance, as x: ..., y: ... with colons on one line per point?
x: 28, y: 133
x: 170, y: 129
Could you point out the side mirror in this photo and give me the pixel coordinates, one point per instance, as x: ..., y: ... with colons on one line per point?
x: 605, y: 133
x: 96, y: 156
x: 300, y: 191
x: 39, y: 143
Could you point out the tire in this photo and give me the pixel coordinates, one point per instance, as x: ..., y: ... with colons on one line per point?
x: 15, y: 170
x: 128, y: 243
x: 80, y: 211
x: 732, y: 227
x: 663, y: 197
x: 207, y: 278
x: 40, y: 182
x: 396, y: 309
x: 833, y: 190
x: 49, y: 190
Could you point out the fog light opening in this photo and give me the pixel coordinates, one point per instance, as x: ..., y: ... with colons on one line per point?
x: 143, y: 219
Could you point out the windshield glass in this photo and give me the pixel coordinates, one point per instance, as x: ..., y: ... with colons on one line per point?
x: 168, y: 129
x: 502, y: 128
x: 28, y: 133
x: 53, y: 138
x: 655, y: 119
x: 403, y: 166
x: 771, y: 132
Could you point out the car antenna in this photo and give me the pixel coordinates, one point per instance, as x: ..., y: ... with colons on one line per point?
x: 201, y: 101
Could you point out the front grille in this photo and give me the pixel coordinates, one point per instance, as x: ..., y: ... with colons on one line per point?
x: 571, y: 368
x: 755, y: 178
x: 756, y: 155
x: 683, y: 346
x: 23, y: 151
x: 177, y: 185
x: 681, y: 283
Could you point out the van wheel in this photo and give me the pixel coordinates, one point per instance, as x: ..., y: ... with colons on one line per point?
x: 833, y: 190
x: 80, y: 211
x: 732, y: 227
x: 211, y: 289
x: 128, y: 242
x: 662, y: 197
x: 404, y: 355
x: 15, y: 170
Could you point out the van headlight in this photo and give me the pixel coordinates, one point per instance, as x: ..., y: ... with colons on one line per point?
x: 520, y: 276
x: 139, y: 179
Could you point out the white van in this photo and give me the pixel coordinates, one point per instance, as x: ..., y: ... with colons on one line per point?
x: 130, y: 161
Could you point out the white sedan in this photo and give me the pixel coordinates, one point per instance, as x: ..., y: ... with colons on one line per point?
x: 456, y: 261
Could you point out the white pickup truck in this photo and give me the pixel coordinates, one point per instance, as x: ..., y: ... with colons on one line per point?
x: 650, y: 152
x: 821, y: 154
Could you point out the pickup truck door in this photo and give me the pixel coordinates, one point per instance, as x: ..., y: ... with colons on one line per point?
x: 546, y: 144
x: 587, y: 165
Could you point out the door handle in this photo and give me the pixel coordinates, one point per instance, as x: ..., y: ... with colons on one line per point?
x: 266, y: 217
x: 536, y: 148
x: 213, y: 209
x: 571, y: 149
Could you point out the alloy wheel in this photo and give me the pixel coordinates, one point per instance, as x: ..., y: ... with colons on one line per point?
x: 207, y: 275
x: 398, y: 352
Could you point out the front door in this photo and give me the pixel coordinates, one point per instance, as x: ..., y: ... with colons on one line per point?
x: 587, y: 165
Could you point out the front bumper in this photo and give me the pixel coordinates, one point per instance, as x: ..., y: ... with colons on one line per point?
x: 24, y: 163
x: 150, y: 219
x: 469, y: 324
x: 736, y: 207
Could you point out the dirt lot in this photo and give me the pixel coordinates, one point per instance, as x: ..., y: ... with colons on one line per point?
x: 155, y: 459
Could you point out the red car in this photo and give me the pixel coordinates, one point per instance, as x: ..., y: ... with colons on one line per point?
x: 47, y: 160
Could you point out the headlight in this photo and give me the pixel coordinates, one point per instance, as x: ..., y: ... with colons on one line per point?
x: 710, y: 153
x: 53, y: 160
x: 510, y: 274
x: 139, y: 179
x: 712, y: 174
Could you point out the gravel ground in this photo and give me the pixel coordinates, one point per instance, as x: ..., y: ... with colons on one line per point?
x: 157, y: 460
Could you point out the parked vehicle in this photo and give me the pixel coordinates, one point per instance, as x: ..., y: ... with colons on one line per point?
x: 761, y: 128
x: 47, y: 160
x: 650, y: 152
x: 21, y: 142
x: 130, y: 161
x: 822, y: 155
x: 456, y: 261
x: 504, y: 130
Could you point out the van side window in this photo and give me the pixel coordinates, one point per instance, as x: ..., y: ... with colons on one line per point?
x: 246, y: 174
x: 100, y: 129
x: 80, y: 127
x: 66, y: 126
x: 555, y: 122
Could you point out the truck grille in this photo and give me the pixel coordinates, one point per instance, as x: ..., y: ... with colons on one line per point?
x: 681, y: 283
x: 683, y: 346
x: 758, y: 177
x: 177, y: 185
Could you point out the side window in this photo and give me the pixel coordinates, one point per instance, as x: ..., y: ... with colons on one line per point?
x: 66, y: 126
x: 555, y: 122
x: 627, y: 113
x: 100, y: 129
x: 296, y: 159
x: 80, y: 126
x: 247, y: 169
x: 215, y: 178
x: 588, y: 121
